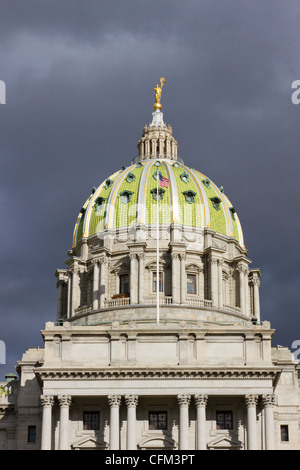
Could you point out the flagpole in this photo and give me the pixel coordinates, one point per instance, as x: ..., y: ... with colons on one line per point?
x: 157, y: 249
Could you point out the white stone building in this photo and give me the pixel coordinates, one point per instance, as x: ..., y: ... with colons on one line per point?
x: 189, y: 367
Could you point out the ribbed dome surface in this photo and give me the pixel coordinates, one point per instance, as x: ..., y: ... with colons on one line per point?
x: 129, y: 197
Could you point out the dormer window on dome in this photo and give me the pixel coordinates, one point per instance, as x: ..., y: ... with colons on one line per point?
x: 232, y: 212
x: 157, y: 193
x: 189, y: 196
x: 125, y: 197
x: 216, y: 201
x: 99, y: 203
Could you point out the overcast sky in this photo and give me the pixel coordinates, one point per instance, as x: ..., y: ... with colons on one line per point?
x: 79, y: 76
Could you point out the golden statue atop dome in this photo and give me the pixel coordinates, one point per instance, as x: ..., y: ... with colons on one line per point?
x: 157, y: 90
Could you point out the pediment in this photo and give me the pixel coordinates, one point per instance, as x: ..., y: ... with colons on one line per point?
x: 157, y: 442
x: 224, y: 442
x: 193, y: 267
x: 89, y: 442
x: 122, y: 264
x: 152, y: 266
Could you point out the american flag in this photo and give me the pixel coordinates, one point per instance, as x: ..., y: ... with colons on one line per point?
x: 163, y: 182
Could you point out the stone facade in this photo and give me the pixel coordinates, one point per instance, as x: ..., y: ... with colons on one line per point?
x: 120, y: 371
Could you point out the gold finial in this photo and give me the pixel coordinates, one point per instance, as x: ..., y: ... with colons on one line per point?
x: 157, y: 90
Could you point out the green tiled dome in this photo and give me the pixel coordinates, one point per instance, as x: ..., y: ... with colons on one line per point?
x: 129, y: 197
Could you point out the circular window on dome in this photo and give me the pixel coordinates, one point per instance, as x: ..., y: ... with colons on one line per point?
x: 185, y: 177
x: 108, y: 183
x: 206, y: 182
x: 130, y: 177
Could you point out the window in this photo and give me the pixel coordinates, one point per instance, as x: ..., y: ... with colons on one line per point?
x: 189, y: 196
x: 157, y: 194
x: 185, y: 177
x: 130, y: 177
x: 155, y: 282
x: 125, y: 197
x: 206, y: 182
x: 158, y: 420
x: 284, y: 433
x: 91, y: 420
x: 124, y: 284
x: 191, y: 284
x: 31, y: 434
x: 216, y: 201
x: 224, y: 420
x: 99, y: 203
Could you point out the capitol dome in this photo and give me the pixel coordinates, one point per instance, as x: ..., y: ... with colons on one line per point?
x: 158, y: 215
x: 129, y: 196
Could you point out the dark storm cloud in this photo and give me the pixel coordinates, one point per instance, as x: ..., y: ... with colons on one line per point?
x: 79, y: 77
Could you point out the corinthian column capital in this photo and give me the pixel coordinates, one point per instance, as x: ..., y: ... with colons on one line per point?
x: 114, y: 400
x: 251, y: 400
x: 47, y: 400
x: 64, y: 400
x: 184, y: 400
x: 131, y: 401
x: 268, y: 400
x: 200, y: 400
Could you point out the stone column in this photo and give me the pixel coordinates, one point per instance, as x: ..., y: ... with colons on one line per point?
x: 47, y: 403
x: 251, y: 402
x: 201, y: 401
x: 60, y: 287
x: 256, y: 302
x: 64, y: 403
x: 75, y: 278
x: 131, y: 403
x: 240, y: 270
x: 268, y: 403
x: 153, y: 149
x: 184, y: 401
x: 69, y: 306
x: 141, y: 257
x: 96, y: 285
x: 247, y: 304
x: 175, y: 278
x: 213, y: 281
x: 182, y: 279
x: 114, y: 425
x: 103, y: 285
x: 220, y: 283
x: 133, y: 278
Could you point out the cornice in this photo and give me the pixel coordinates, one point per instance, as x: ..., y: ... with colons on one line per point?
x: 54, y: 374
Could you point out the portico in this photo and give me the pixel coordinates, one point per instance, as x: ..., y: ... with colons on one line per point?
x: 187, y: 421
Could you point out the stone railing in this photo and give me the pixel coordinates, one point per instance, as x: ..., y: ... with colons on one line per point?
x: 163, y: 300
x: 231, y: 308
x: 198, y: 302
x: 122, y: 302
x: 152, y: 299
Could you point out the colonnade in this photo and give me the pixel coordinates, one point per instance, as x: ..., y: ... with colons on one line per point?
x: 184, y: 401
x: 246, y: 294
